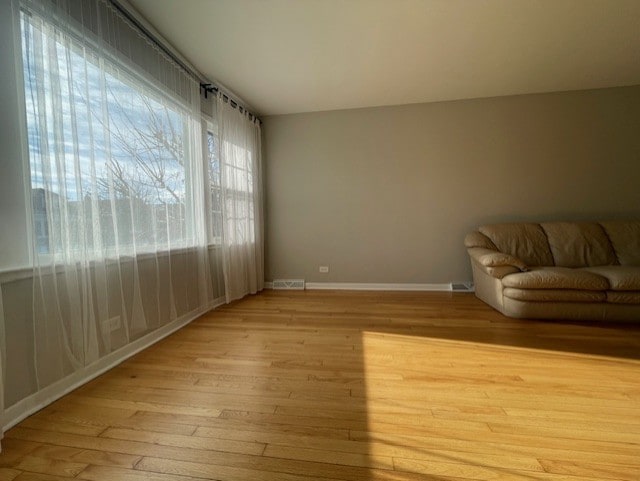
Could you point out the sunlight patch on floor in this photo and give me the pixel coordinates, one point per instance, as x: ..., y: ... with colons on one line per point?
x: 482, y: 411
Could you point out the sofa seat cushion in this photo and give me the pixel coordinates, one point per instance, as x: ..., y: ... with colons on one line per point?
x: 554, y: 295
x: 556, y: 278
x: 621, y: 278
x: 623, y: 297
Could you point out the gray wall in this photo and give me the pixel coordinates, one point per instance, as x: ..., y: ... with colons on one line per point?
x: 155, y: 281
x: 387, y: 194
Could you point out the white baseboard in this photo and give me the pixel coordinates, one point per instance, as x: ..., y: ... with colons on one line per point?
x: 367, y: 286
x: 33, y: 403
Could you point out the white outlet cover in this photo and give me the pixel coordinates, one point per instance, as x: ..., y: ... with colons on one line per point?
x: 324, y: 269
x: 114, y: 323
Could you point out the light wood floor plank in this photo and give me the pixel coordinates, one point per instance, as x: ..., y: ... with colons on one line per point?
x: 58, y: 467
x: 41, y: 477
x: 101, y: 473
x: 88, y: 456
x: 9, y: 474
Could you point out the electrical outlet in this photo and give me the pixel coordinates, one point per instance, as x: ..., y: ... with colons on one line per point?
x: 324, y: 269
x: 113, y: 324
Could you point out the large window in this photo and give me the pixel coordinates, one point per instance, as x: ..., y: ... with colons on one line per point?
x: 109, y: 154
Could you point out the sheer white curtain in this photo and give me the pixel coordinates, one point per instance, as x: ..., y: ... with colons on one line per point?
x: 125, y: 237
x: 117, y: 181
x: 241, y: 198
x: 3, y: 362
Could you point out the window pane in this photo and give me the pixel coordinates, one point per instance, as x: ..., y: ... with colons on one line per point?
x: 107, y: 157
x: 237, y: 178
x: 216, y: 196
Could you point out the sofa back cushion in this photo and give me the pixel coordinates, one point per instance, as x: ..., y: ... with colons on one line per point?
x: 579, y: 244
x: 527, y: 242
x: 625, y: 238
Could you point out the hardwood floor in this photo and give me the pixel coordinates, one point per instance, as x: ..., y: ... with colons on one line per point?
x: 295, y: 386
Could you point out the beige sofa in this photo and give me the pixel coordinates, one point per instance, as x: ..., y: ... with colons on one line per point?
x: 559, y: 270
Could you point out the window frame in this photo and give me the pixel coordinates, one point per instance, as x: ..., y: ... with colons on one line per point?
x: 121, y: 70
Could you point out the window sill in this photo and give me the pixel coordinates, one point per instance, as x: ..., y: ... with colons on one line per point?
x: 20, y: 273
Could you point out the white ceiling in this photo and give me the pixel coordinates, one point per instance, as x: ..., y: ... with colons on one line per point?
x: 285, y: 56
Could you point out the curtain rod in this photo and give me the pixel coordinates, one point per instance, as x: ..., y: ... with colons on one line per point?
x: 206, y: 85
x: 211, y: 88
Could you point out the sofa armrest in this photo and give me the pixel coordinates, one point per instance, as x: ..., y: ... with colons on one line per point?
x: 495, y: 272
x: 493, y: 259
x: 478, y: 239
